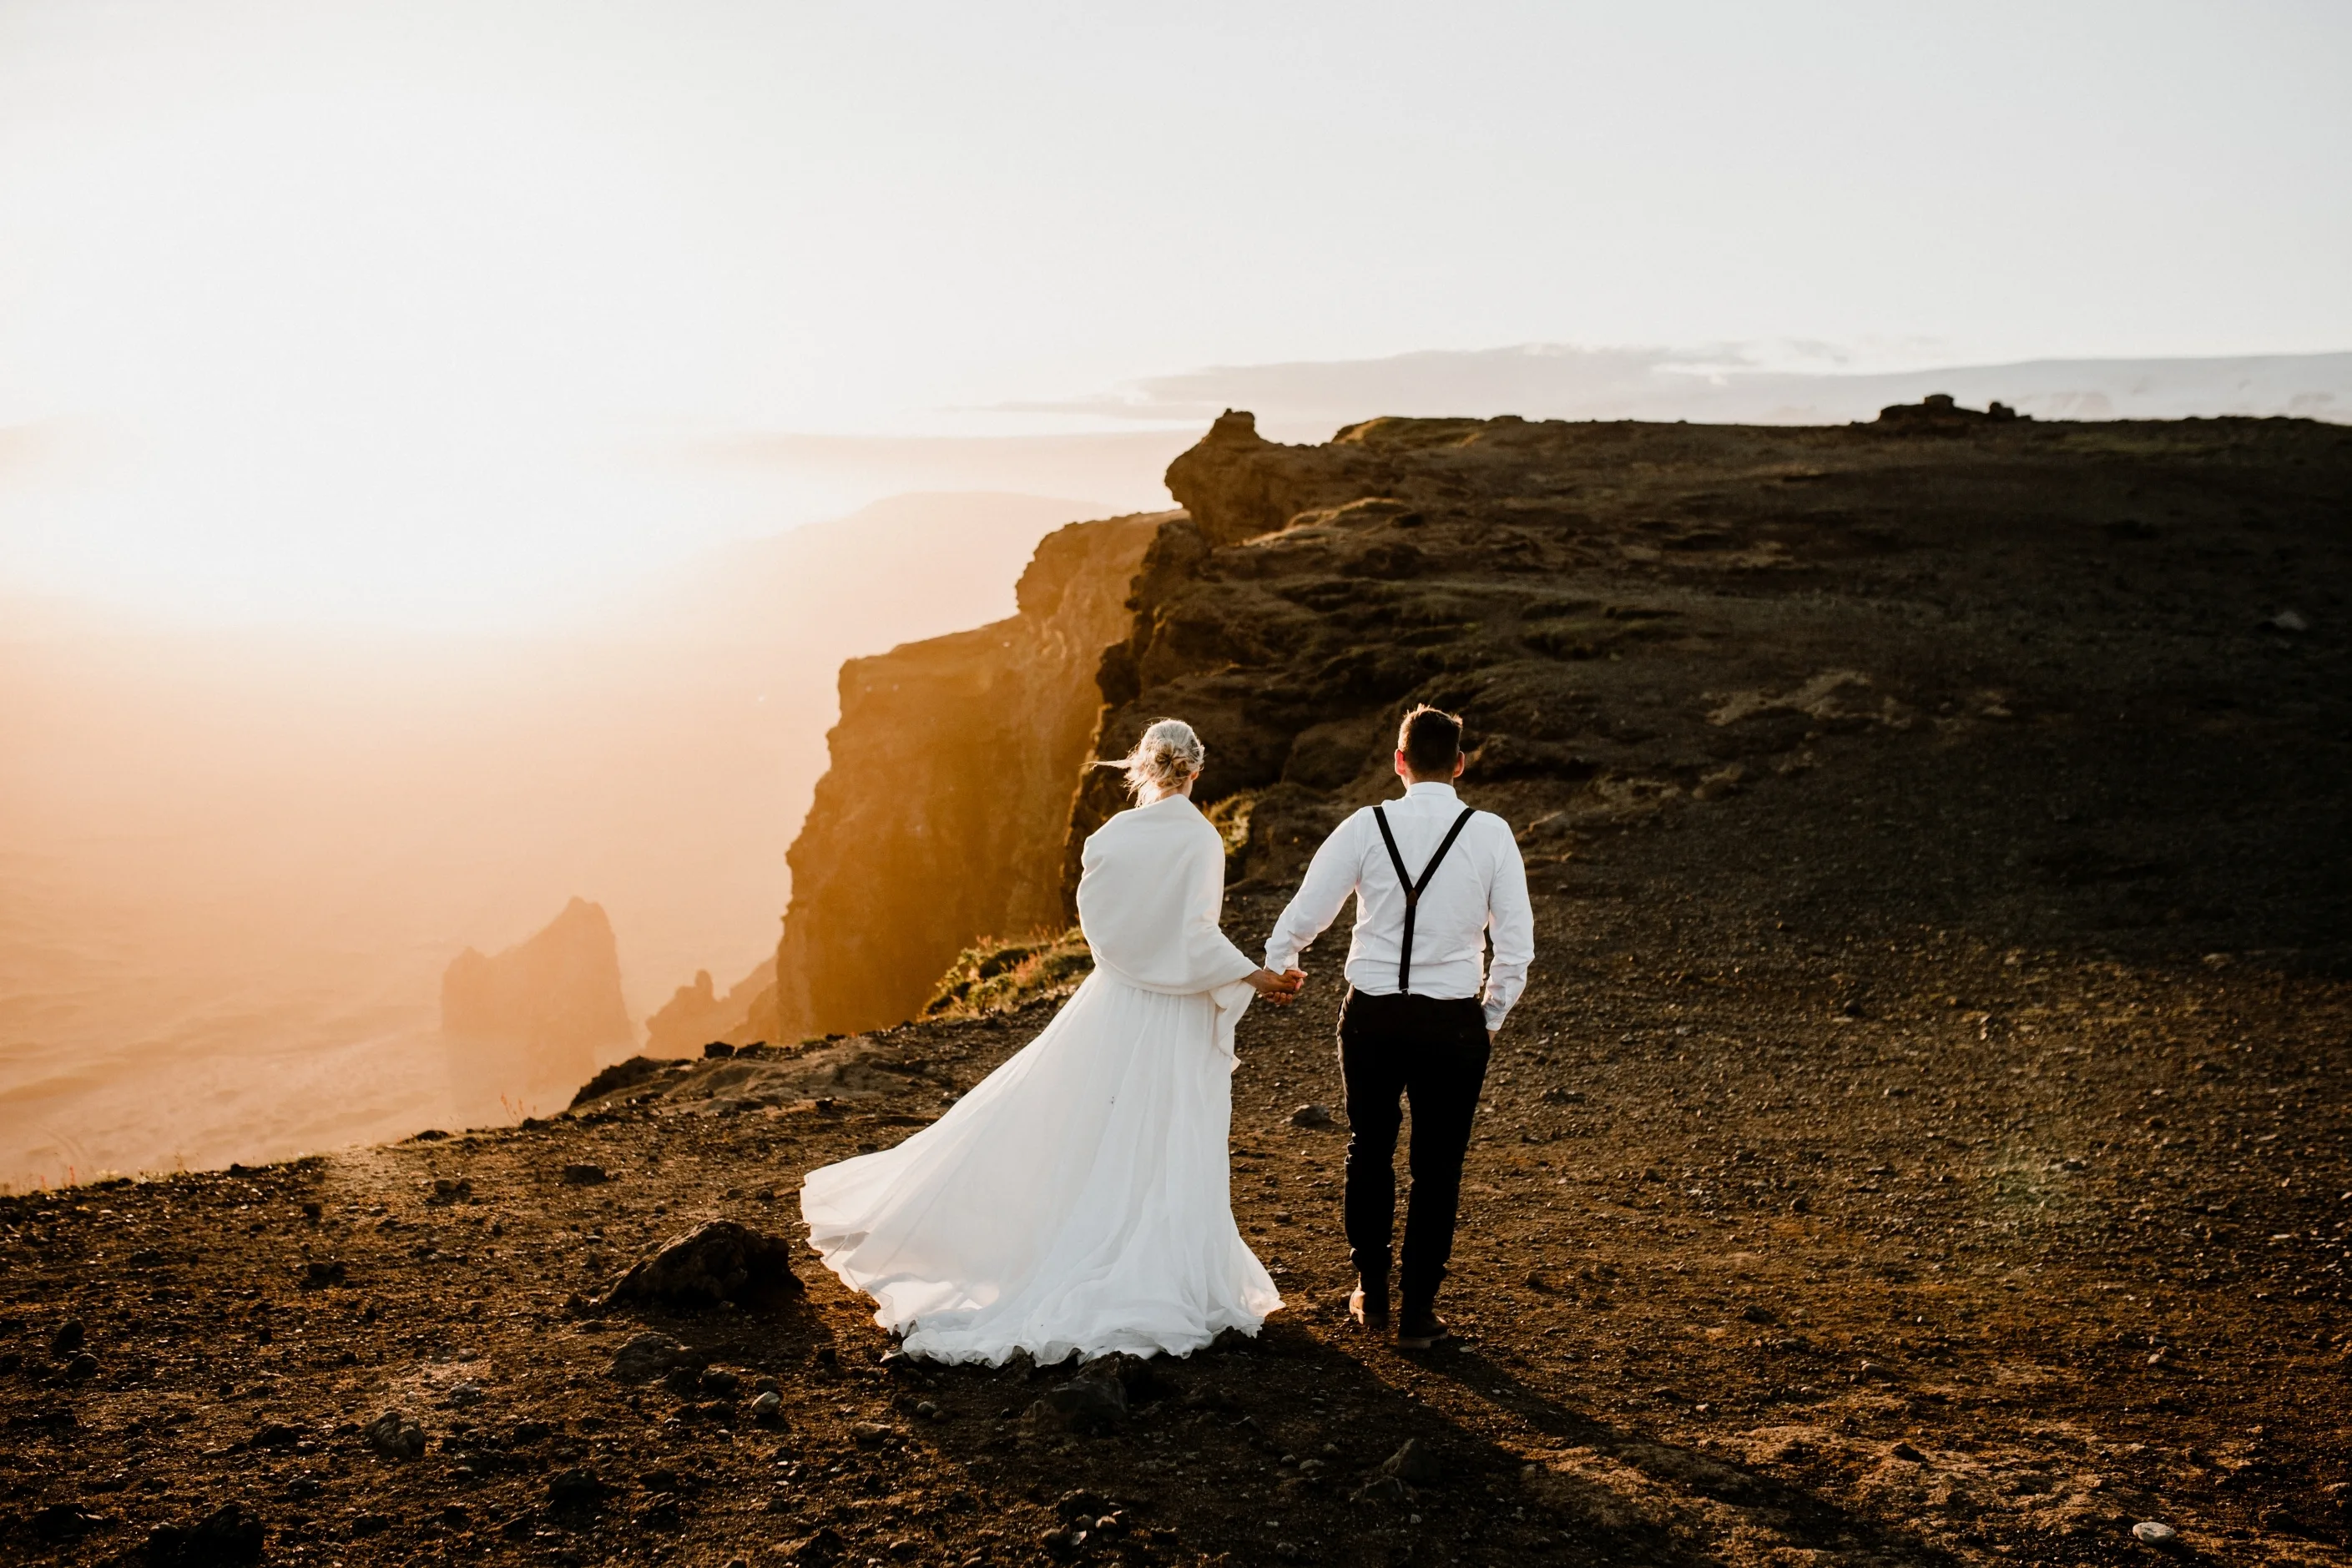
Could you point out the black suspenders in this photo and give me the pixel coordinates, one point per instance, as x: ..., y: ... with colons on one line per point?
x: 1413, y: 890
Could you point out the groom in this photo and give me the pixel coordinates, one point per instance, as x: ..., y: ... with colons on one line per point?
x: 1430, y: 877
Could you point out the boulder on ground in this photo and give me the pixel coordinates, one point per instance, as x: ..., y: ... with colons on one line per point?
x: 395, y: 1436
x: 721, y: 1260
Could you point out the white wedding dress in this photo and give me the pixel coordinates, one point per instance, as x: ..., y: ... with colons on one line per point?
x: 1078, y: 1198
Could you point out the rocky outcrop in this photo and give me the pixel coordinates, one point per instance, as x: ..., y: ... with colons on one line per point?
x: 1639, y: 622
x: 1938, y: 411
x: 1642, y: 622
x: 952, y: 769
x: 697, y: 1014
x: 536, y: 1018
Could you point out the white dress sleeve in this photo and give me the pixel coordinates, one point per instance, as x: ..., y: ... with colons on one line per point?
x: 1152, y: 885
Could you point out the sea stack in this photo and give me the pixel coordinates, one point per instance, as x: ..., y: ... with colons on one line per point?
x: 528, y: 1024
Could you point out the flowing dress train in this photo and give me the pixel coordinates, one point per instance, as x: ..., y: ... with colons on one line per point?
x: 1078, y: 1198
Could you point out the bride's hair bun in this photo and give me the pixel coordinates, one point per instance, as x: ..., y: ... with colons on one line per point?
x: 1168, y: 754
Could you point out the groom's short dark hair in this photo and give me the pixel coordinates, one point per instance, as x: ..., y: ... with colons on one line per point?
x: 1430, y: 740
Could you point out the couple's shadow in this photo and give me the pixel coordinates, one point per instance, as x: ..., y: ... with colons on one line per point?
x: 1307, y: 1446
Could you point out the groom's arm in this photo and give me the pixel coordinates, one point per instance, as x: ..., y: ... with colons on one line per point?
x: 1330, y: 878
x: 1512, y: 920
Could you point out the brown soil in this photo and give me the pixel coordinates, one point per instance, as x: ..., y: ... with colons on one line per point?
x: 1801, y: 1249
x: 1923, y: 1140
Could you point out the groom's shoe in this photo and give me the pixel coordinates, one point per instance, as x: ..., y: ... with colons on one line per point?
x: 1369, y: 1308
x: 1421, y: 1329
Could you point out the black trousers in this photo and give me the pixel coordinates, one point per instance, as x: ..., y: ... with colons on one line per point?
x: 1432, y: 1054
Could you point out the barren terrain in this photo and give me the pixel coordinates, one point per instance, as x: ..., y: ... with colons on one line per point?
x: 1923, y: 1141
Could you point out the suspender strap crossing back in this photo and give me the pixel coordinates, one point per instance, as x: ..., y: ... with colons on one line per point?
x: 1412, y: 889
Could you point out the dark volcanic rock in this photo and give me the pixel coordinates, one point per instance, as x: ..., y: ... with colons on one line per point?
x: 621, y: 1075
x: 577, y: 1492
x: 62, y: 1523
x: 229, y: 1537
x: 1082, y: 1404
x: 395, y: 1436
x: 720, y: 1260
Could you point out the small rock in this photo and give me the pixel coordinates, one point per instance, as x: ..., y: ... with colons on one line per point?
x: 82, y: 1367
x: 718, y: 1380
x: 586, y: 1176
x: 644, y: 1357
x: 869, y: 1433
x: 395, y: 1436
x: 718, y: 1050
x: 768, y: 1407
x: 826, y: 1546
x: 2148, y: 1533
x: 721, y: 1260
x: 63, y: 1522
x: 275, y: 1435
x: 1311, y: 1116
x: 2287, y: 621
x: 319, y: 1274
x: 1906, y: 1451
x: 1413, y: 1464
x: 466, y: 1393
x: 1564, y: 1096
x: 70, y: 1337
x: 577, y: 1491
x: 1082, y: 1404
x: 229, y: 1537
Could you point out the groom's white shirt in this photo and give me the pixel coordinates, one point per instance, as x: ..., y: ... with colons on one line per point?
x: 1481, y: 885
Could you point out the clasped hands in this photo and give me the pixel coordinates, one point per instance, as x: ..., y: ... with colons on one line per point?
x: 1279, y: 990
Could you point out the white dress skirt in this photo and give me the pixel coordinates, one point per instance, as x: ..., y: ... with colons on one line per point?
x: 1078, y: 1200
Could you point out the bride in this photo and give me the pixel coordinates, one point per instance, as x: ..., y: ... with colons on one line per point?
x: 1077, y: 1200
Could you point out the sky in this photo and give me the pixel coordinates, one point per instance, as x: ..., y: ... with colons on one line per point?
x: 427, y: 312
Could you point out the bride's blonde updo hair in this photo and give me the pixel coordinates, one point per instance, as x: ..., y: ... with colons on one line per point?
x: 1168, y: 755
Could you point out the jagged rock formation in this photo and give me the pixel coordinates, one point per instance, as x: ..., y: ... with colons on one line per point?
x: 697, y: 1014
x: 954, y: 759
x: 535, y: 1018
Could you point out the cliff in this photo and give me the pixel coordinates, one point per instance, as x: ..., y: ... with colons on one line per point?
x: 2040, y: 673
x: 954, y: 759
x: 533, y: 1019
x: 1641, y: 622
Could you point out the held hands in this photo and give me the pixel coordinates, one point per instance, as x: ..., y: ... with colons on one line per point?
x: 1279, y: 990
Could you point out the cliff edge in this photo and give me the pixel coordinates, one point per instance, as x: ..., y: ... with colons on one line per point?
x: 954, y: 759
